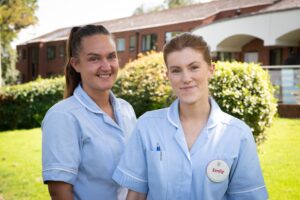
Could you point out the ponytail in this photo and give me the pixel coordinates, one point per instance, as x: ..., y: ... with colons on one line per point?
x: 72, y: 77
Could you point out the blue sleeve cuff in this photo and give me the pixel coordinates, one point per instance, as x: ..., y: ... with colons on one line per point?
x: 59, y: 174
x: 259, y: 193
x: 129, y: 181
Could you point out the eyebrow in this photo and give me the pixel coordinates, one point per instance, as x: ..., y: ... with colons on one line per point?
x: 95, y: 54
x: 192, y: 63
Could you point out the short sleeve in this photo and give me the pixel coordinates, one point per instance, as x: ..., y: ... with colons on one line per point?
x: 246, y: 179
x: 60, y: 147
x: 131, y: 171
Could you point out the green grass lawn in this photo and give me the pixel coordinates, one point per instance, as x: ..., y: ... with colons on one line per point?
x: 280, y: 160
x: 20, y: 163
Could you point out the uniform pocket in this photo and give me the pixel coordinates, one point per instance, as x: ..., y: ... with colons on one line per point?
x: 157, y: 174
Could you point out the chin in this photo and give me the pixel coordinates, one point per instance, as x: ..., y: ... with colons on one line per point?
x: 188, y: 101
x: 103, y: 87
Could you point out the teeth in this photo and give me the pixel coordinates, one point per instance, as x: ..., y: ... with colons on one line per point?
x: 104, y: 75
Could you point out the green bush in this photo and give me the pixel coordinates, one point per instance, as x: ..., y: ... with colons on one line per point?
x: 245, y: 91
x: 24, y: 106
x: 143, y: 83
x: 242, y: 90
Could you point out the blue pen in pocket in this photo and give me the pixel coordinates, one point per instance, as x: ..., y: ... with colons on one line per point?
x: 158, y: 149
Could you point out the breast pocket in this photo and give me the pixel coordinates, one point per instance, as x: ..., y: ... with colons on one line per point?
x: 157, y: 174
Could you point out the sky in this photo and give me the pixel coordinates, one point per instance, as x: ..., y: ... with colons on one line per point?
x: 55, y: 14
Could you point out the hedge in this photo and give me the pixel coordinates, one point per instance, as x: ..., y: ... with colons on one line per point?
x: 24, y: 106
x: 242, y: 90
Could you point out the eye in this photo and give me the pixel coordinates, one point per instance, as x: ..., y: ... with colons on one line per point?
x: 194, y: 68
x: 175, y: 70
x: 112, y: 56
x: 93, y: 59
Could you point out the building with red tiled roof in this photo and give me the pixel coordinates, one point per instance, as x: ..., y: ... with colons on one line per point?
x: 45, y: 55
x: 260, y: 31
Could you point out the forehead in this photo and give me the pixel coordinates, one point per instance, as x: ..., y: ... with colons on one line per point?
x: 184, y: 56
x: 100, y: 44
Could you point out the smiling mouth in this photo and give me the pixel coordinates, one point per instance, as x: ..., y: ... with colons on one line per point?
x: 186, y: 88
x: 103, y: 75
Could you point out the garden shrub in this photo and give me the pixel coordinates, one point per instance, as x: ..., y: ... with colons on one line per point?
x: 24, y: 106
x: 242, y: 90
x: 143, y: 83
x: 245, y: 91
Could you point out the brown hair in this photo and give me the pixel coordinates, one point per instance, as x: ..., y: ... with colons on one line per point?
x: 184, y: 40
x: 72, y: 77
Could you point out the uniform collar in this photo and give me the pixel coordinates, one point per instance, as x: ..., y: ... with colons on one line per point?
x: 214, y: 116
x: 86, y: 101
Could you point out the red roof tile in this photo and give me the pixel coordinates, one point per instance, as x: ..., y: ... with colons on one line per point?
x: 193, y: 12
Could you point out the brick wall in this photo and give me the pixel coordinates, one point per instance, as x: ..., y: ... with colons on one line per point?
x: 289, y: 110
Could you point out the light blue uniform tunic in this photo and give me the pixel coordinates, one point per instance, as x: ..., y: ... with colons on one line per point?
x: 158, y: 162
x: 81, y: 145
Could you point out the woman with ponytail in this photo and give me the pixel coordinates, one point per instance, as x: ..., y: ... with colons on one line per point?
x: 85, y: 134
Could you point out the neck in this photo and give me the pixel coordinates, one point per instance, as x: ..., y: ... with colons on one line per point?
x: 101, y: 98
x: 195, y: 112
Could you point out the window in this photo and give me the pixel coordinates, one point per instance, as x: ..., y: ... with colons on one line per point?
x: 251, y: 57
x: 132, y: 43
x: 149, y: 42
x: 120, y: 44
x: 23, y: 54
x: 276, y: 56
x: 62, y: 51
x: 225, y: 56
x: 51, y: 52
x: 19, y: 54
x: 34, y: 52
x: 170, y: 35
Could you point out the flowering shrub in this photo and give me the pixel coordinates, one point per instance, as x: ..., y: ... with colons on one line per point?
x: 143, y: 83
x: 242, y: 90
x: 245, y: 91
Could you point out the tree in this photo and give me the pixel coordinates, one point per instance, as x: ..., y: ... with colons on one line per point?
x: 177, y: 3
x: 167, y: 4
x: 142, y: 10
x: 15, y: 15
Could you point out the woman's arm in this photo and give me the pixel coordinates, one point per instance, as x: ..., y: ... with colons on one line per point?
x: 132, y: 195
x: 60, y: 190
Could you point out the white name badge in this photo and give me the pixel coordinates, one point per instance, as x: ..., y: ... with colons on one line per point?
x: 217, y: 170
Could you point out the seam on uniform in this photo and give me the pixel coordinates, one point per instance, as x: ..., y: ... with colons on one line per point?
x: 141, y: 180
x: 247, y: 190
x: 61, y: 169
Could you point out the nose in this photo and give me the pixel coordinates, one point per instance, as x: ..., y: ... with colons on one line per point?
x: 105, y: 65
x: 186, y: 77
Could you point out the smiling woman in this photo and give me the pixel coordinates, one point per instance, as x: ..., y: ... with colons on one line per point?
x: 84, y: 135
x: 192, y: 149
x: 97, y: 50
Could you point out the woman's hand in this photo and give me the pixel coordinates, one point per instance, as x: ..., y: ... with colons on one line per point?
x: 132, y: 195
x: 60, y: 190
